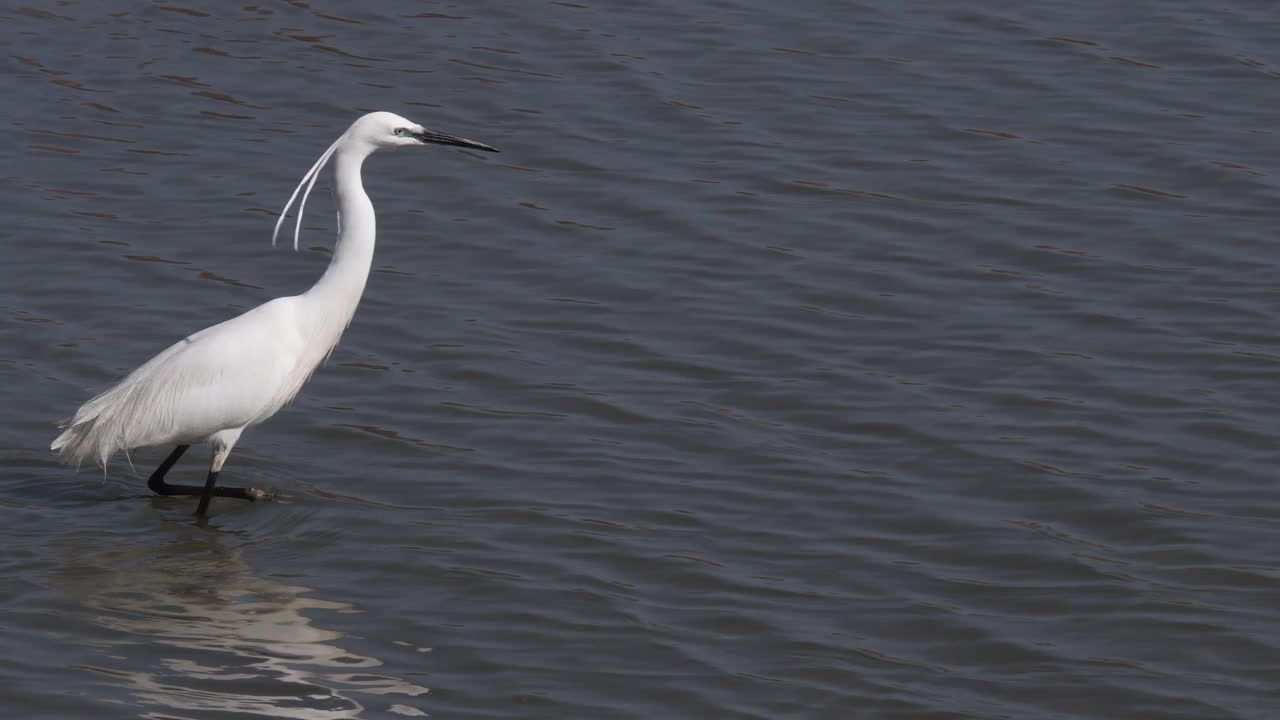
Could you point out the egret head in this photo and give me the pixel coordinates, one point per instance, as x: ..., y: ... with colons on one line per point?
x: 384, y: 129
x: 366, y: 135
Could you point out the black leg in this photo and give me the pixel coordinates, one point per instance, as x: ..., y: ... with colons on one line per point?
x: 203, y: 507
x: 160, y: 487
x: 157, y: 483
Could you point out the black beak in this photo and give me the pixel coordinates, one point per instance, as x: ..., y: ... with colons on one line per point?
x: 439, y: 138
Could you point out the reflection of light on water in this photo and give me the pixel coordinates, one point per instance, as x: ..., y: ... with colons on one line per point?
x: 188, y: 628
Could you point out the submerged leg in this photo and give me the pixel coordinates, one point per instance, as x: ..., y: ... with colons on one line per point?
x: 160, y: 487
x: 207, y: 494
x: 222, y: 444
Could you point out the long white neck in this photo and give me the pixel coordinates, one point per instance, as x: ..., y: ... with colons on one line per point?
x: 332, y: 301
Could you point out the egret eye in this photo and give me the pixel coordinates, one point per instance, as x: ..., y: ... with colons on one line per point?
x: 399, y: 131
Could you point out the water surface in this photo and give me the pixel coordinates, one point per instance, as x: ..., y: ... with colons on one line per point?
x: 857, y: 359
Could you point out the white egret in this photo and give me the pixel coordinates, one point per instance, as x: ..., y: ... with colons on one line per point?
x: 212, y: 385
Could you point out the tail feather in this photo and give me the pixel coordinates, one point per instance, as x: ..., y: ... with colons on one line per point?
x: 96, y: 432
x: 118, y: 418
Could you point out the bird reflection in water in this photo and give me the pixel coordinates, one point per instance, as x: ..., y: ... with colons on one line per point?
x: 188, y: 628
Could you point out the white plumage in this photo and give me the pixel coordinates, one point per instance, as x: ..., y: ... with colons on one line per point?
x: 215, y: 383
x: 226, y: 377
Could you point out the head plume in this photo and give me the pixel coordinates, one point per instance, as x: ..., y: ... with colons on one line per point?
x: 367, y: 134
x: 309, y: 180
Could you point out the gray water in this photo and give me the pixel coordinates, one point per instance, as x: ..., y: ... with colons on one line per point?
x: 793, y: 360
